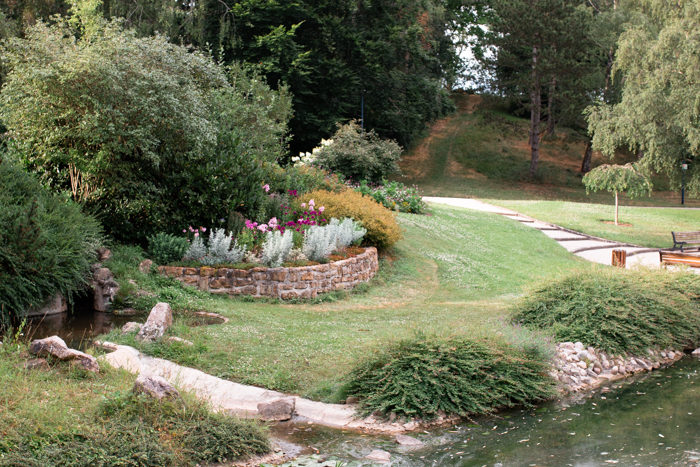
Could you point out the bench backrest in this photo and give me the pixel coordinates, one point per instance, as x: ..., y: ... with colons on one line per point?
x: 679, y: 258
x: 687, y: 237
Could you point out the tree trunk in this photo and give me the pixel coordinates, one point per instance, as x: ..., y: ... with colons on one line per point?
x: 587, y: 156
x: 536, y: 103
x: 550, y: 108
x: 616, y: 205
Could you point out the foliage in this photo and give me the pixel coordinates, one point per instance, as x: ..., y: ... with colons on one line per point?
x: 277, y: 247
x: 298, y: 179
x: 348, y: 232
x: 628, y: 179
x: 46, y: 243
x: 166, y: 248
x: 319, y: 242
x: 359, y: 155
x: 419, y: 377
x: 218, y: 251
x: 617, y: 310
x: 658, y: 65
x: 382, y: 228
x: 394, y: 196
x: 115, y: 151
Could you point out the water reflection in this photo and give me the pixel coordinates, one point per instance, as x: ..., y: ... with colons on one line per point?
x: 652, y: 420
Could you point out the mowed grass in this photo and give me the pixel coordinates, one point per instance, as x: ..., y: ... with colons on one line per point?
x: 650, y: 227
x: 455, y: 273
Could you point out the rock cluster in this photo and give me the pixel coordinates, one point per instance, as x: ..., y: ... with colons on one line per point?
x: 580, y: 368
x: 104, y: 286
x: 57, y: 348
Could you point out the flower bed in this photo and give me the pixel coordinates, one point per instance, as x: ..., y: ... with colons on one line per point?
x: 282, y: 283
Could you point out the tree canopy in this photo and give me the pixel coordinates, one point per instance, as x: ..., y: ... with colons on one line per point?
x: 616, y: 179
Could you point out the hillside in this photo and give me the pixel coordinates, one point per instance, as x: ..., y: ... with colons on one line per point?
x: 463, y: 155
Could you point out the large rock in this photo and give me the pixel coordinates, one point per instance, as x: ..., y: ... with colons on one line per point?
x: 155, y: 386
x: 696, y: 352
x: 54, y: 305
x: 379, y: 456
x: 104, y: 287
x: 131, y: 326
x: 408, y: 440
x: 57, y: 348
x: 145, y: 266
x: 277, y: 410
x: 160, y: 319
x: 103, y: 254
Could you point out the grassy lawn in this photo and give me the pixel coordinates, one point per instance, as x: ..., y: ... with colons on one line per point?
x: 649, y: 227
x: 455, y: 273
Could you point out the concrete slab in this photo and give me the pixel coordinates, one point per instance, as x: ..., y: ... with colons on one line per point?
x: 561, y: 234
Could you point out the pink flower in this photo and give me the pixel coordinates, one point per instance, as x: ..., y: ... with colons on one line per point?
x: 273, y: 222
x: 311, y: 202
x: 321, y: 209
x: 196, y: 234
x: 203, y: 229
x: 184, y: 230
x: 262, y: 227
x: 191, y: 229
x: 266, y: 187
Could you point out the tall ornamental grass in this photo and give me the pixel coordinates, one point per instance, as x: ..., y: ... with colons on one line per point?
x: 617, y: 310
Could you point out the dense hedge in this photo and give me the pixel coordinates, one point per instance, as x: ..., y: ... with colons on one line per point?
x: 419, y: 377
x: 46, y: 243
x: 618, y: 310
x: 382, y: 228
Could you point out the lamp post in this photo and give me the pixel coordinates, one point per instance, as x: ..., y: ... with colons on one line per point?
x: 362, y: 112
x: 684, y: 166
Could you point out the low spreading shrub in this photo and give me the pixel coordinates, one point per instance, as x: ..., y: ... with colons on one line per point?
x: 617, y: 310
x: 218, y: 251
x: 420, y: 377
x: 382, y: 228
x: 167, y: 248
x: 394, y: 195
x: 357, y: 154
x: 321, y: 241
x: 46, y: 243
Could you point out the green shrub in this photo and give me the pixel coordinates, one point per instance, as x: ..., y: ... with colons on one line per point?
x: 617, y: 310
x: 419, y: 377
x: 301, y: 179
x: 382, y: 228
x: 359, y: 155
x: 167, y: 248
x: 167, y: 138
x: 46, y: 243
x: 395, y: 196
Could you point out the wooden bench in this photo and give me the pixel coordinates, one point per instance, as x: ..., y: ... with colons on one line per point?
x: 685, y: 238
x: 679, y: 258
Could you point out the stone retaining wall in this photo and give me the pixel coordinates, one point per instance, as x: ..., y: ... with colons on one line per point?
x: 283, y: 283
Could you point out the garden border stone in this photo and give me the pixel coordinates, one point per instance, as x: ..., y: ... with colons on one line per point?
x: 282, y: 283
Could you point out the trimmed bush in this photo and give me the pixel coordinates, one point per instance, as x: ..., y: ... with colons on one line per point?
x: 359, y: 155
x: 419, y: 377
x: 382, y: 228
x: 46, y: 244
x: 617, y: 310
x: 167, y: 248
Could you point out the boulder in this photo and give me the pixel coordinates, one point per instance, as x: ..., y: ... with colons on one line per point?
x: 352, y: 400
x: 379, y: 456
x: 408, y: 440
x: 131, y: 326
x: 103, y: 254
x: 180, y: 340
x: 159, y: 320
x: 145, y: 266
x: 696, y: 352
x: 104, y: 287
x: 277, y: 410
x: 155, y: 386
x: 54, y: 305
x: 56, y: 347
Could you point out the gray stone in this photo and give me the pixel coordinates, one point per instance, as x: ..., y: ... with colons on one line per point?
x: 131, y: 326
x: 54, y: 305
x: 696, y: 352
x: 103, y: 254
x: 36, y: 364
x: 277, y: 410
x: 145, y: 266
x: 582, y: 365
x: 155, y: 386
x: 408, y: 440
x: 104, y: 287
x: 180, y: 340
x: 56, y: 347
x: 379, y: 456
x: 159, y: 320
x: 584, y: 355
x: 410, y: 426
x: 352, y: 400
x: 614, y: 370
x: 578, y: 346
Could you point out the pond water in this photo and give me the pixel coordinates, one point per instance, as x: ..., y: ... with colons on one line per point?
x: 648, y: 420
x: 78, y: 326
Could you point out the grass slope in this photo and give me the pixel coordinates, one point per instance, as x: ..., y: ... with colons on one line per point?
x: 455, y: 273
x: 649, y: 227
x: 464, y: 156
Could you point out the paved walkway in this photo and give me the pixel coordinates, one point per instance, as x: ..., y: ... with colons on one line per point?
x: 597, y: 250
